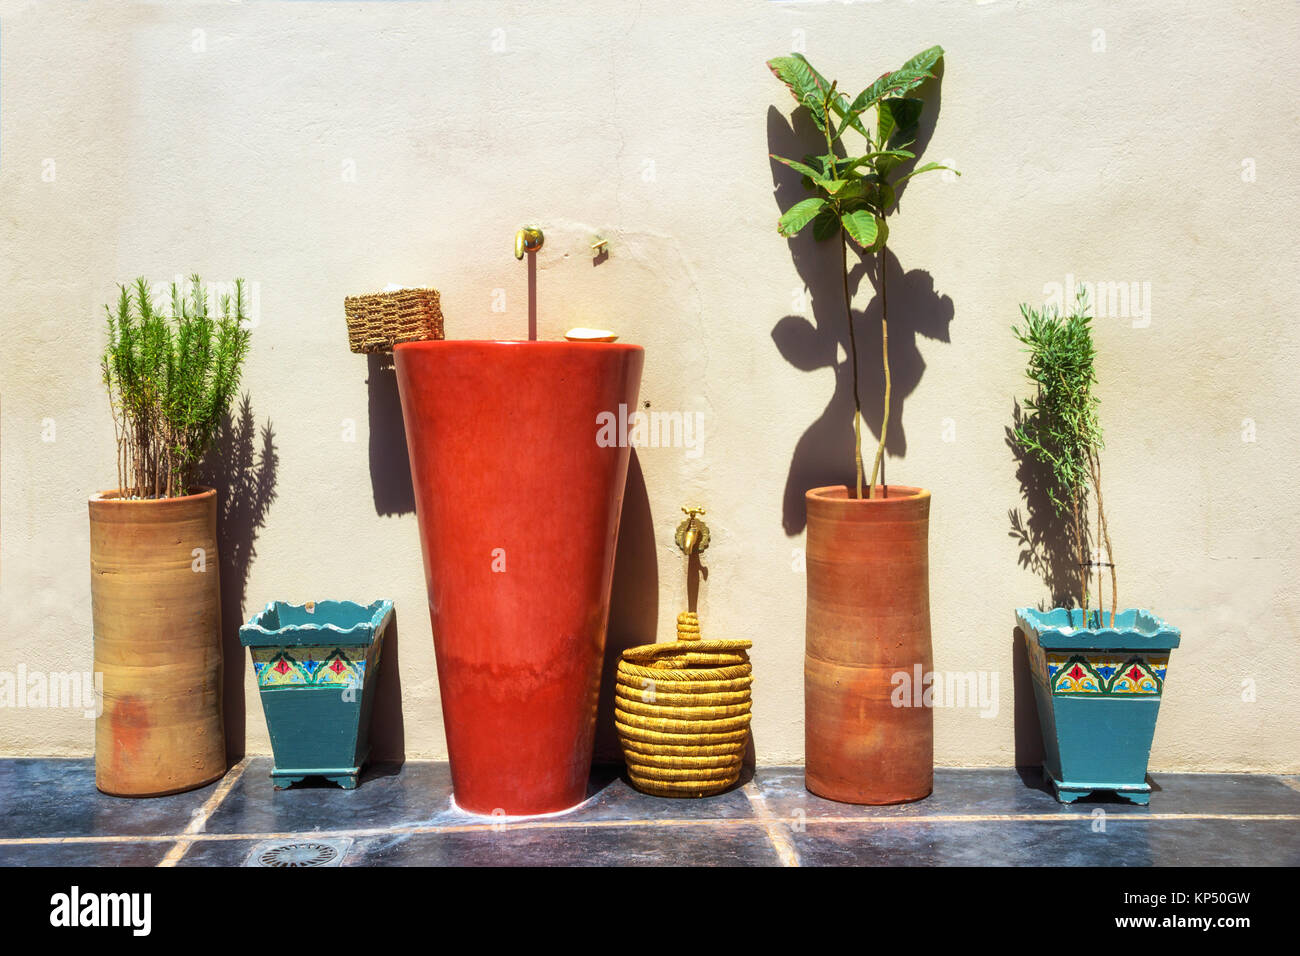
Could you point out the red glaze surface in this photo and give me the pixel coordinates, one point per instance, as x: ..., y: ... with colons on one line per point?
x: 518, y: 508
x: 868, y: 623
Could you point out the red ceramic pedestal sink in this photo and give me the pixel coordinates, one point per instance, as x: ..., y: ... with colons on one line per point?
x: 518, y: 492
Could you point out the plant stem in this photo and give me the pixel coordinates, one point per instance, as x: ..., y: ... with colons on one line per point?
x: 828, y: 125
x: 1096, y: 484
x: 1081, y: 543
x: 1105, y: 534
x: 884, y: 355
x: 853, y: 358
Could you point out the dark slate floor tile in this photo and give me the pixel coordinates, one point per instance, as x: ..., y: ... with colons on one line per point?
x: 57, y: 797
x: 1222, y: 793
x: 1004, y: 791
x: 1131, y: 842
x: 218, y: 853
x: 955, y: 791
x: 417, y: 792
x: 83, y: 854
x: 1007, y: 843
x: 52, y: 797
x: 1223, y: 843
x: 703, y: 845
x: 614, y: 798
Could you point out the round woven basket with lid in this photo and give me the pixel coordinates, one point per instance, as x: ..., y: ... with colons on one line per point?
x: 682, y: 710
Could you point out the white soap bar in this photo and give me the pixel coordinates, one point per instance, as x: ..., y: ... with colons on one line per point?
x: 590, y: 335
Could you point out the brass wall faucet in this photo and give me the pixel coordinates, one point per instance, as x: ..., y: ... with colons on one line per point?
x: 692, y: 534
x: 528, y: 239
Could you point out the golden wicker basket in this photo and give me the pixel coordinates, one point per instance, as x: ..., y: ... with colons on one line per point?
x: 379, y: 321
x: 682, y: 710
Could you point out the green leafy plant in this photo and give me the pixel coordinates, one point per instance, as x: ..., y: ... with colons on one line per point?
x: 855, y: 191
x: 1060, y: 429
x: 170, y: 379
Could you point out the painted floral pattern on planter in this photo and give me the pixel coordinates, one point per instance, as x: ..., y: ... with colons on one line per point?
x: 1104, y: 672
x: 311, y: 666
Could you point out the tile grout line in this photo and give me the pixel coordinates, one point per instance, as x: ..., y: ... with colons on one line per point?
x: 799, y: 820
x: 201, y: 817
x: 778, y: 834
x: 1059, y: 817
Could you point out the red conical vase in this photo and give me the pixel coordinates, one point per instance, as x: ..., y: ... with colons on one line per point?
x: 518, y: 458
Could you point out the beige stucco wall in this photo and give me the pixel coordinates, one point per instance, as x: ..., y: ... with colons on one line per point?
x: 324, y: 149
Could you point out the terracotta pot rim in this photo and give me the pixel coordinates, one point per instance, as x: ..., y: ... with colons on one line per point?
x: 897, y: 493
x: 433, y: 345
x: 109, y: 497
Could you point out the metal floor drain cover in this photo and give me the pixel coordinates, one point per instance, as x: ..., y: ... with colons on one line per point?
x: 299, y: 853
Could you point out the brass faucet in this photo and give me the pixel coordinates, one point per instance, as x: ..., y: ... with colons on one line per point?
x: 528, y: 239
x: 692, y: 534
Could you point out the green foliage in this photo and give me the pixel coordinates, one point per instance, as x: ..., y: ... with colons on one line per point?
x: 855, y: 192
x: 1061, y: 432
x: 799, y: 215
x: 170, y: 379
x: 854, y: 187
x: 1060, y: 429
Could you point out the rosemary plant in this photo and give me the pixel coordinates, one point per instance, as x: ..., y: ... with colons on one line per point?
x: 170, y: 378
x: 855, y: 193
x: 1060, y: 429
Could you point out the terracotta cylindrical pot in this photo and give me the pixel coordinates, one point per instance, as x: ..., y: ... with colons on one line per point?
x: 156, y: 595
x: 869, y: 738
x: 518, y: 456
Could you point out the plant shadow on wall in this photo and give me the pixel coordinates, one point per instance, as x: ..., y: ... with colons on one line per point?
x: 1043, y: 533
x: 241, y: 465
x: 390, y: 462
x: 1043, y: 536
x: 825, y: 452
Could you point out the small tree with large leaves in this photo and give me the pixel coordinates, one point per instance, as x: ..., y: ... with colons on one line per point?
x: 855, y: 191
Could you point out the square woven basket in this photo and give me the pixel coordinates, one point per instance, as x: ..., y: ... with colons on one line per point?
x: 378, y: 321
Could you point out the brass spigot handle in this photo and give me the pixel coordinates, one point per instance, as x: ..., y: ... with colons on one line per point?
x: 528, y: 239
x: 692, y: 534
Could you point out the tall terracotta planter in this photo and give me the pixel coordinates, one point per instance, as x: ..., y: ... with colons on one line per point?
x: 156, y: 596
x: 868, y: 738
x: 518, y: 491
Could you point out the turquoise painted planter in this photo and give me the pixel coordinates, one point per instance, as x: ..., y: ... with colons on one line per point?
x: 316, y: 666
x: 1098, y: 692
